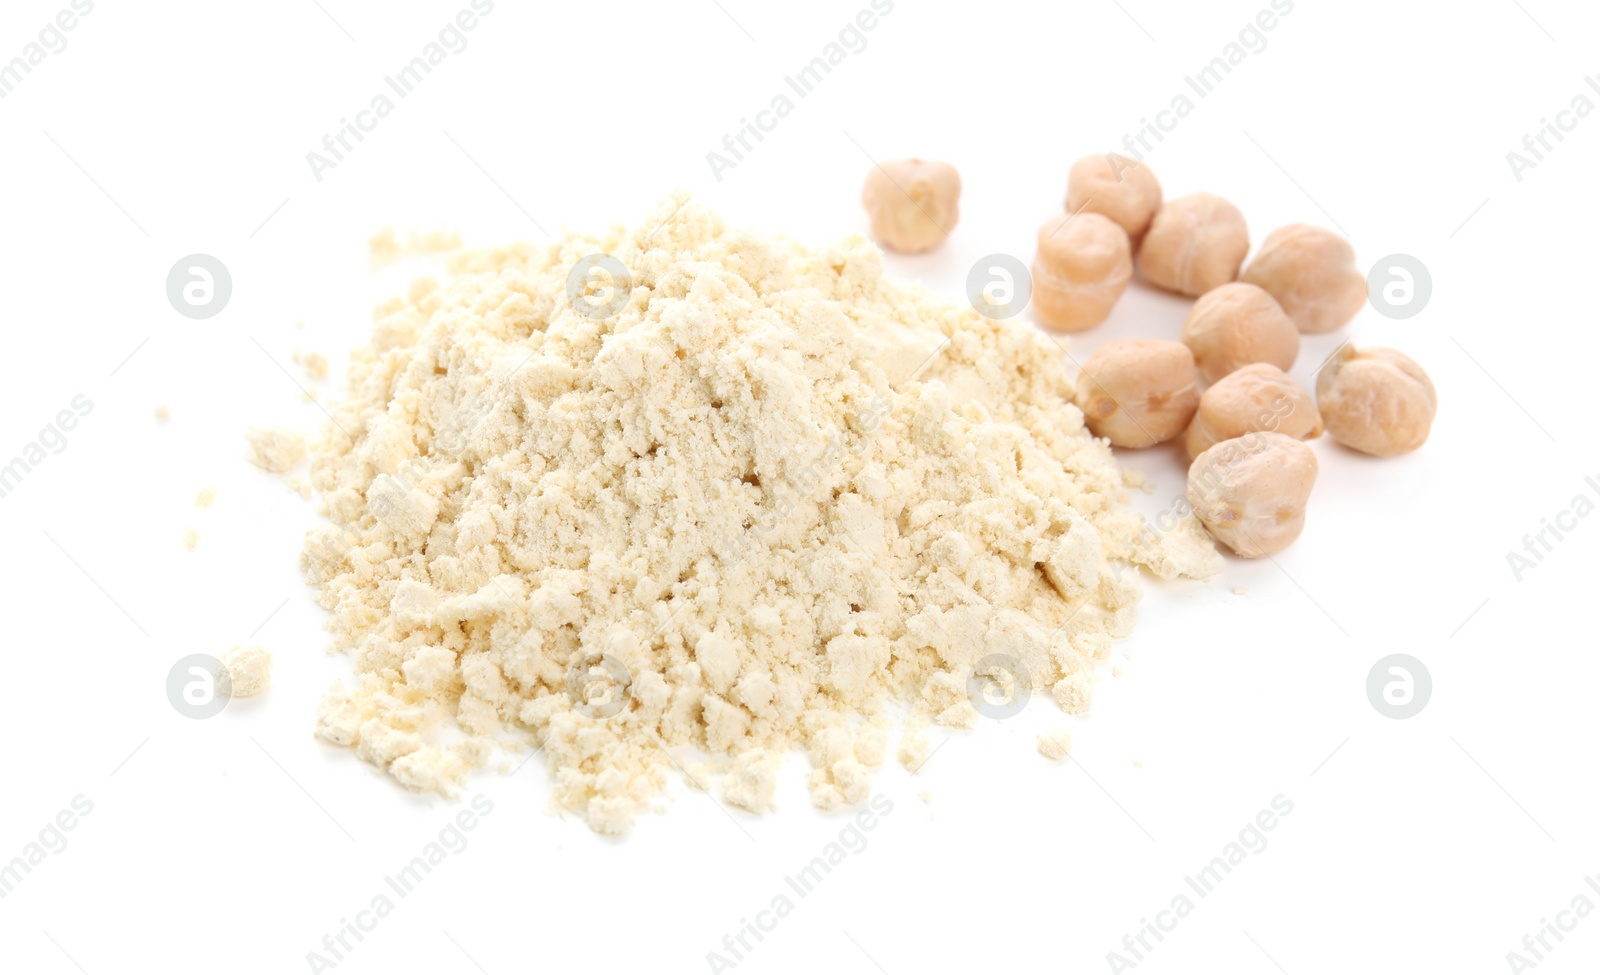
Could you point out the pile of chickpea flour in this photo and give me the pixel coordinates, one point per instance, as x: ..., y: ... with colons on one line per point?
x: 691, y: 497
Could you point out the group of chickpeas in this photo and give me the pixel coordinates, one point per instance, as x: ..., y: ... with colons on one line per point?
x: 1250, y: 471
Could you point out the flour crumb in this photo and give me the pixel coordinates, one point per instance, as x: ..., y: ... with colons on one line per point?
x: 315, y: 364
x: 191, y: 539
x: 277, y: 450
x: 1074, y: 693
x: 926, y: 795
x: 162, y: 413
x: 1185, y: 551
x: 753, y: 780
x: 206, y: 498
x: 1138, y: 763
x: 249, y: 669
x: 1240, y: 591
x: 914, y: 750
x: 1055, y: 745
x: 700, y: 775
x: 385, y: 247
x: 338, y: 718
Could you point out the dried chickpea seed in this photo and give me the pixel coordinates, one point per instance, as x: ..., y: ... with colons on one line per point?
x: 1237, y: 324
x: 913, y: 203
x: 1116, y: 187
x: 1312, y: 272
x: 1251, y: 492
x: 1377, y: 401
x: 1138, y: 392
x: 1194, y: 244
x: 1080, y: 270
x: 1258, y: 398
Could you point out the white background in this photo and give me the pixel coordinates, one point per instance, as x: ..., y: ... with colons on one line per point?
x: 234, y: 844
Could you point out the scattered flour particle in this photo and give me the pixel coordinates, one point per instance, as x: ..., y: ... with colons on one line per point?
x: 191, y: 539
x: 162, y: 413
x: 385, y: 247
x: 249, y: 669
x: 914, y: 750
x: 1055, y: 745
x: 926, y: 795
x: 276, y: 450
x: 1138, y: 763
x: 314, y: 363
x: 206, y: 498
x: 338, y: 717
x: 1074, y: 693
x: 1240, y: 591
x: 752, y: 781
x: 699, y: 775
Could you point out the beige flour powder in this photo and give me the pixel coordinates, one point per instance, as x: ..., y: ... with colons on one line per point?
x: 772, y: 497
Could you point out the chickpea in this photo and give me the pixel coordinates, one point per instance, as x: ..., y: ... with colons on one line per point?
x: 1251, y: 492
x: 913, y: 203
x: 1138, y: 392
x: 1257, y: 398
x: 1312, y: 272
x: 1194, y: 244
x: 1116, y: 187
x: 1082, y: 267
x: 1237, y: 324
x: 1377, y: 401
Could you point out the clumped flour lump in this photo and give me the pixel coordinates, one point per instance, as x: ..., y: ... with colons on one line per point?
x: 766, y: 500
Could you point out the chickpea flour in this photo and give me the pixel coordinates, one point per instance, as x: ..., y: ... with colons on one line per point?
x: 756, y: 501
